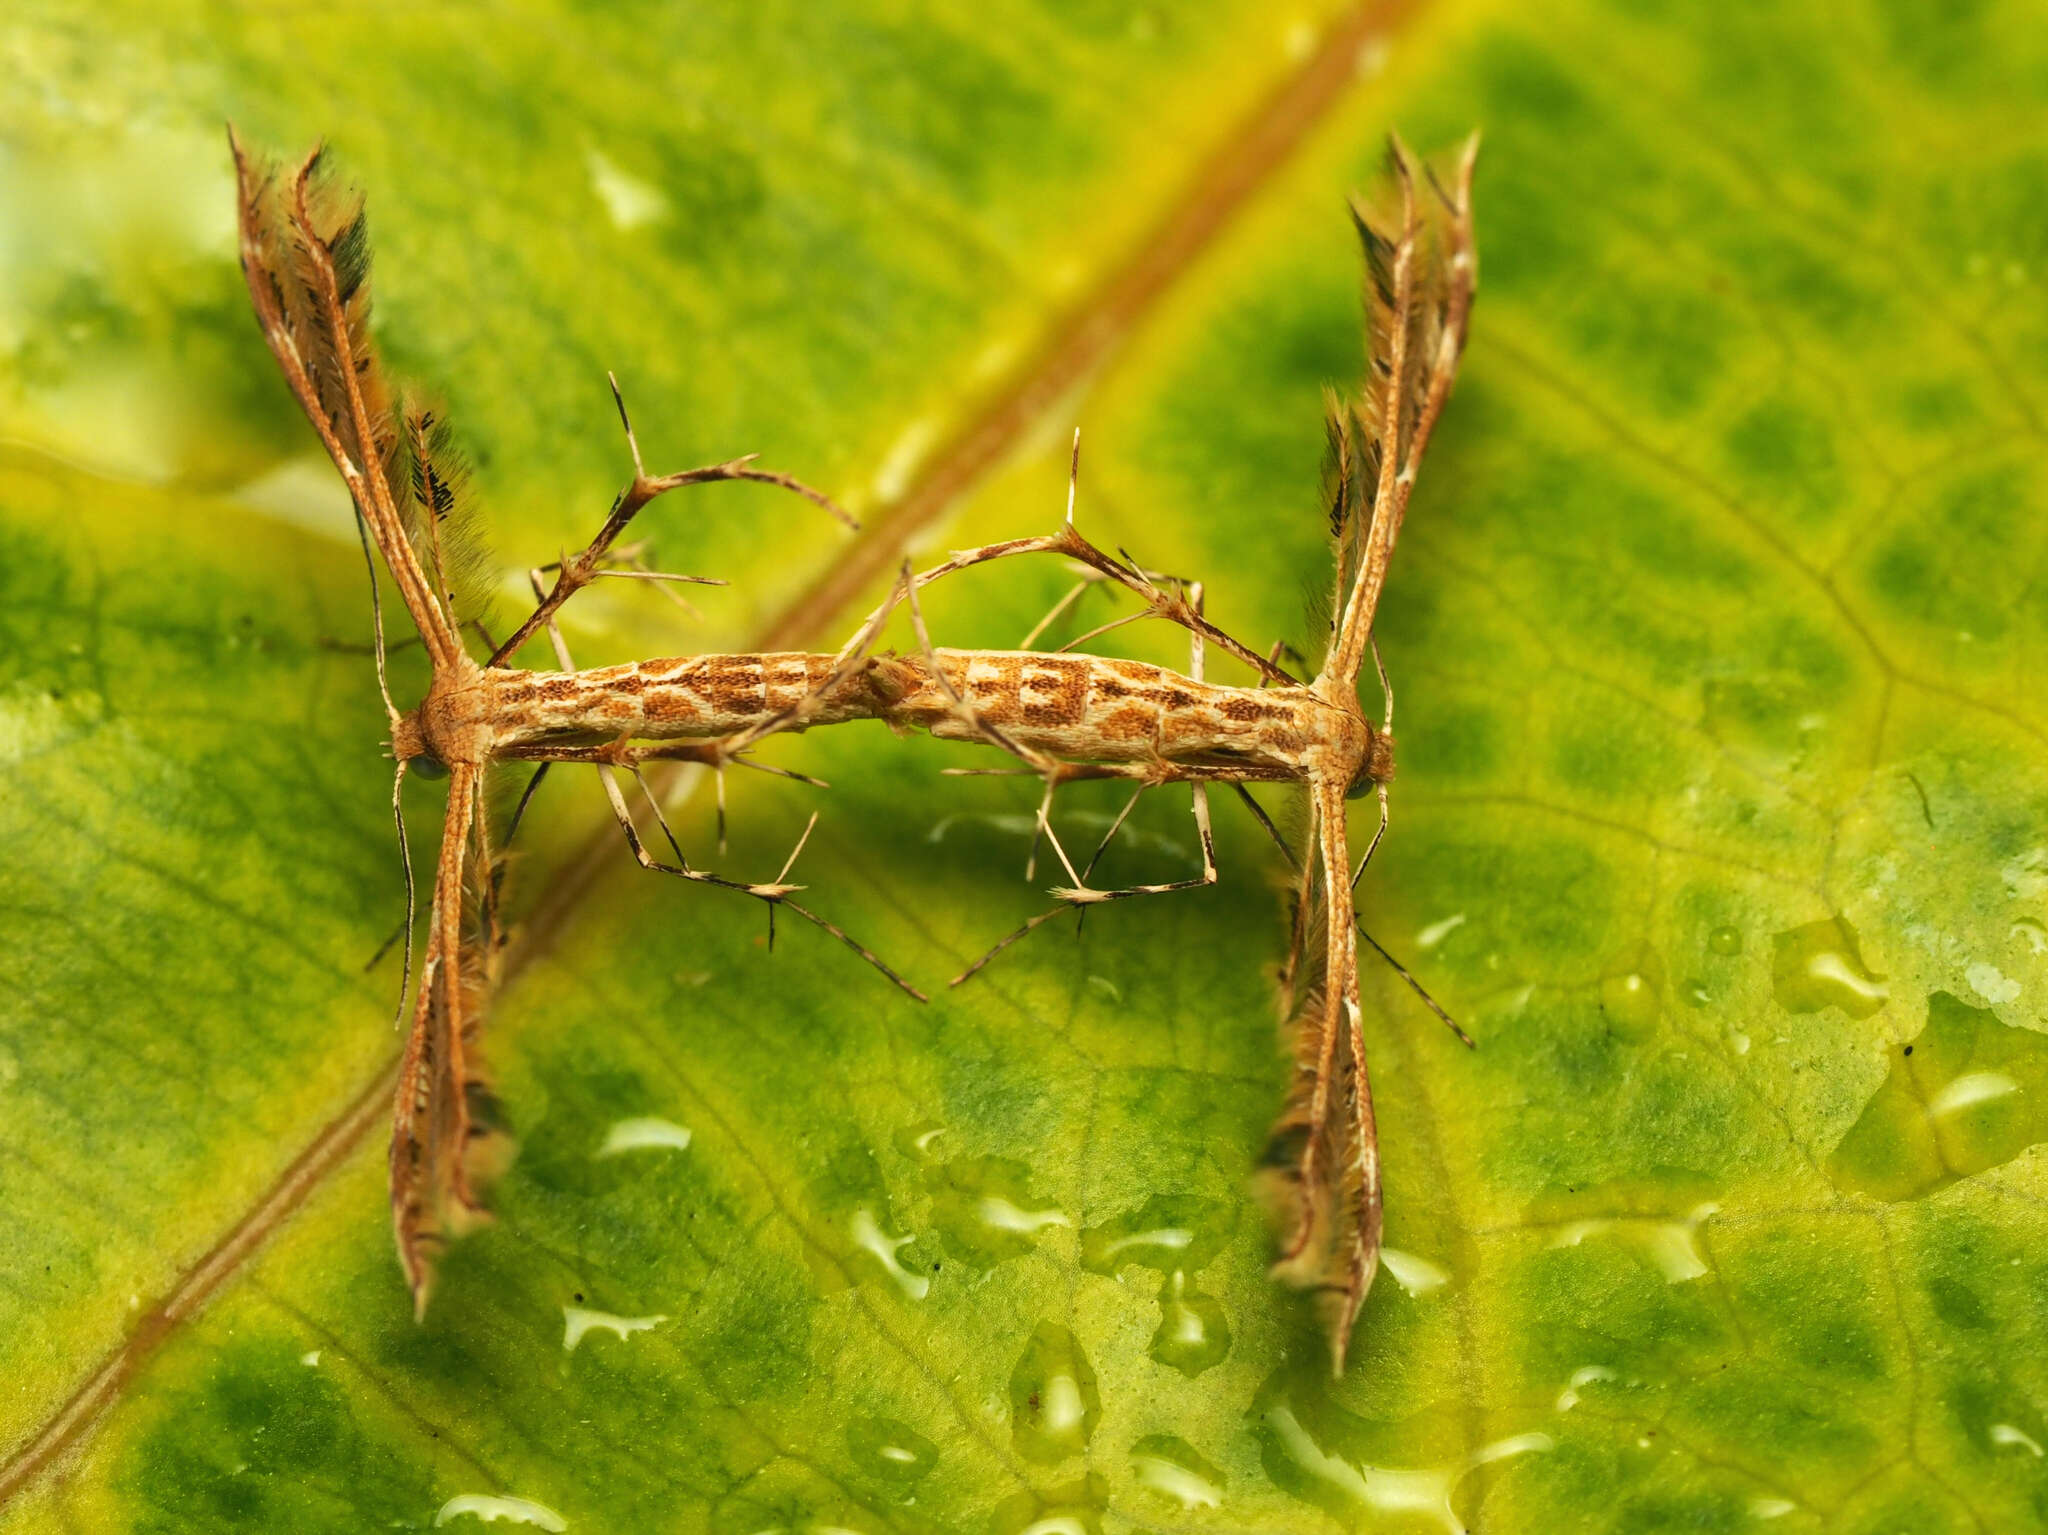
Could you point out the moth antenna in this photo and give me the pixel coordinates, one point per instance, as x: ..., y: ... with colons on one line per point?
x: 1386, y: 683
x: 376, y: 618
x: 525, y: 799
x: 1427, y: 1000
x: 411, y: 890
x: 1374, y: 845
x: 1259, y: 813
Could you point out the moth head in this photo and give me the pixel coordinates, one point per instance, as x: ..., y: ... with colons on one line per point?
x: 409, y: 746
x: 1375, y: 768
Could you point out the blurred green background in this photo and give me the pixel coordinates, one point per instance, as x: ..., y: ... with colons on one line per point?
x: 1722, y: 820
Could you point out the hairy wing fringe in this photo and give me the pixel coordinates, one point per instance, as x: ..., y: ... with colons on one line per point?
x: 448, y: 1140
x: 1314, y: 1176
x: 410, y: 448
x: 439, y: 514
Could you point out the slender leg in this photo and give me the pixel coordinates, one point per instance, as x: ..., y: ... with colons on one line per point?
x: 1080, y: 895
x: 579, y: 571
x: 1161, y: 602
x: 773, y: 894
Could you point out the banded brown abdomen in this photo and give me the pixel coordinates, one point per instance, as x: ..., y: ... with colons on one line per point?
x: 674, y: 698
x: 1112, y: 710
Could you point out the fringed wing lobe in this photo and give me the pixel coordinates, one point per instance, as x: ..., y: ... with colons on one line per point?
x: 305, y: 250
x: 437, y: 511
x: 1420, y: 275
x: 443, y: 1134
x: 1324, y: 1173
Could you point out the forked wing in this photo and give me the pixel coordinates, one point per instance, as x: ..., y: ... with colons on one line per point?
x: 442, y: 1122
x: 306, y: 257
x: 1326, y: 1172
x: 1420, y: 274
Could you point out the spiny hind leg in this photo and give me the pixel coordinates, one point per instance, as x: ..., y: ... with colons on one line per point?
x: 610, y: 761
x: 598, y: 558
x: 1080, y: 895
x: 1049, y: 769
x: 1164, y: 596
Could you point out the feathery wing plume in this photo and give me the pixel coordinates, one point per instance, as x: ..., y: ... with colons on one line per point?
x: 1420, y: 274
x: 305, y: 250
x: 443, y: 1140
x: 1323, y: 1169
x: 306, y: 256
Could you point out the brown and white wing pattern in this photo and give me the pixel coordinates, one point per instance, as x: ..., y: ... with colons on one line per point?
x: 443, y: 1122
x: 1421, y: 271
x: 305, y: 250
x: 1325, y: 1171
x: 306, y: 257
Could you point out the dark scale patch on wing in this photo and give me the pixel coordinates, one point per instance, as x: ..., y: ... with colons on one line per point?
x: 632, y: 682
x: 1055, y: 694
x: 1284, y: 743
x: 669, y: 704
x: 1129, y: 725
x: 1244, y: 710
x: 737, y: 685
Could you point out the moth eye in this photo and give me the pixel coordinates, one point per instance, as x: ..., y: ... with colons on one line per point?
x: 1360, y: 786
x: 429, y: 767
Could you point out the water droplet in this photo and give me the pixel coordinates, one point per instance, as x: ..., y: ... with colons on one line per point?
x: 1725, y: 940
x: 916, y: 1141
x: 1659, y: 1218
x: 310, y: 1359
x: 1696, y: 993
x: 2026, y: 929
x: 1322, y: 1476
x: 1992, y: 984
x: 1968, y: 1093
x: 984, y: 1210
x: 1673, y: 1246
x: 491, y: 1508
x: 891, y: 1450
x: 1417, y: 1276
x: 1819, y: 966
x: 1172, y: 1467
x: 1770, y: 1508
x: 1631, y: 1004
x: 1076, y: 1508
x: 577, y: 1322
x: 1054, y: 1403
x: 644, y: 1135
x: 1568, y: 1398
x: 1437, y: 932
x: 868, y: 1237
x: 2006, y: 1434
x: 1193, y: 1332
x: 1168, y: 1233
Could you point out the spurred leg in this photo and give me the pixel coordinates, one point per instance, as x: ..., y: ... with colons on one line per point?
x: 578, y: 571
x: 773, y: 894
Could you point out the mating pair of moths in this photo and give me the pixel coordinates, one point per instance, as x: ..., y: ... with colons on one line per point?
x: 1063, y: 716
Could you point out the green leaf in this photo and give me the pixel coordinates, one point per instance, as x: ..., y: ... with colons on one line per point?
x: 1717, y: 632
